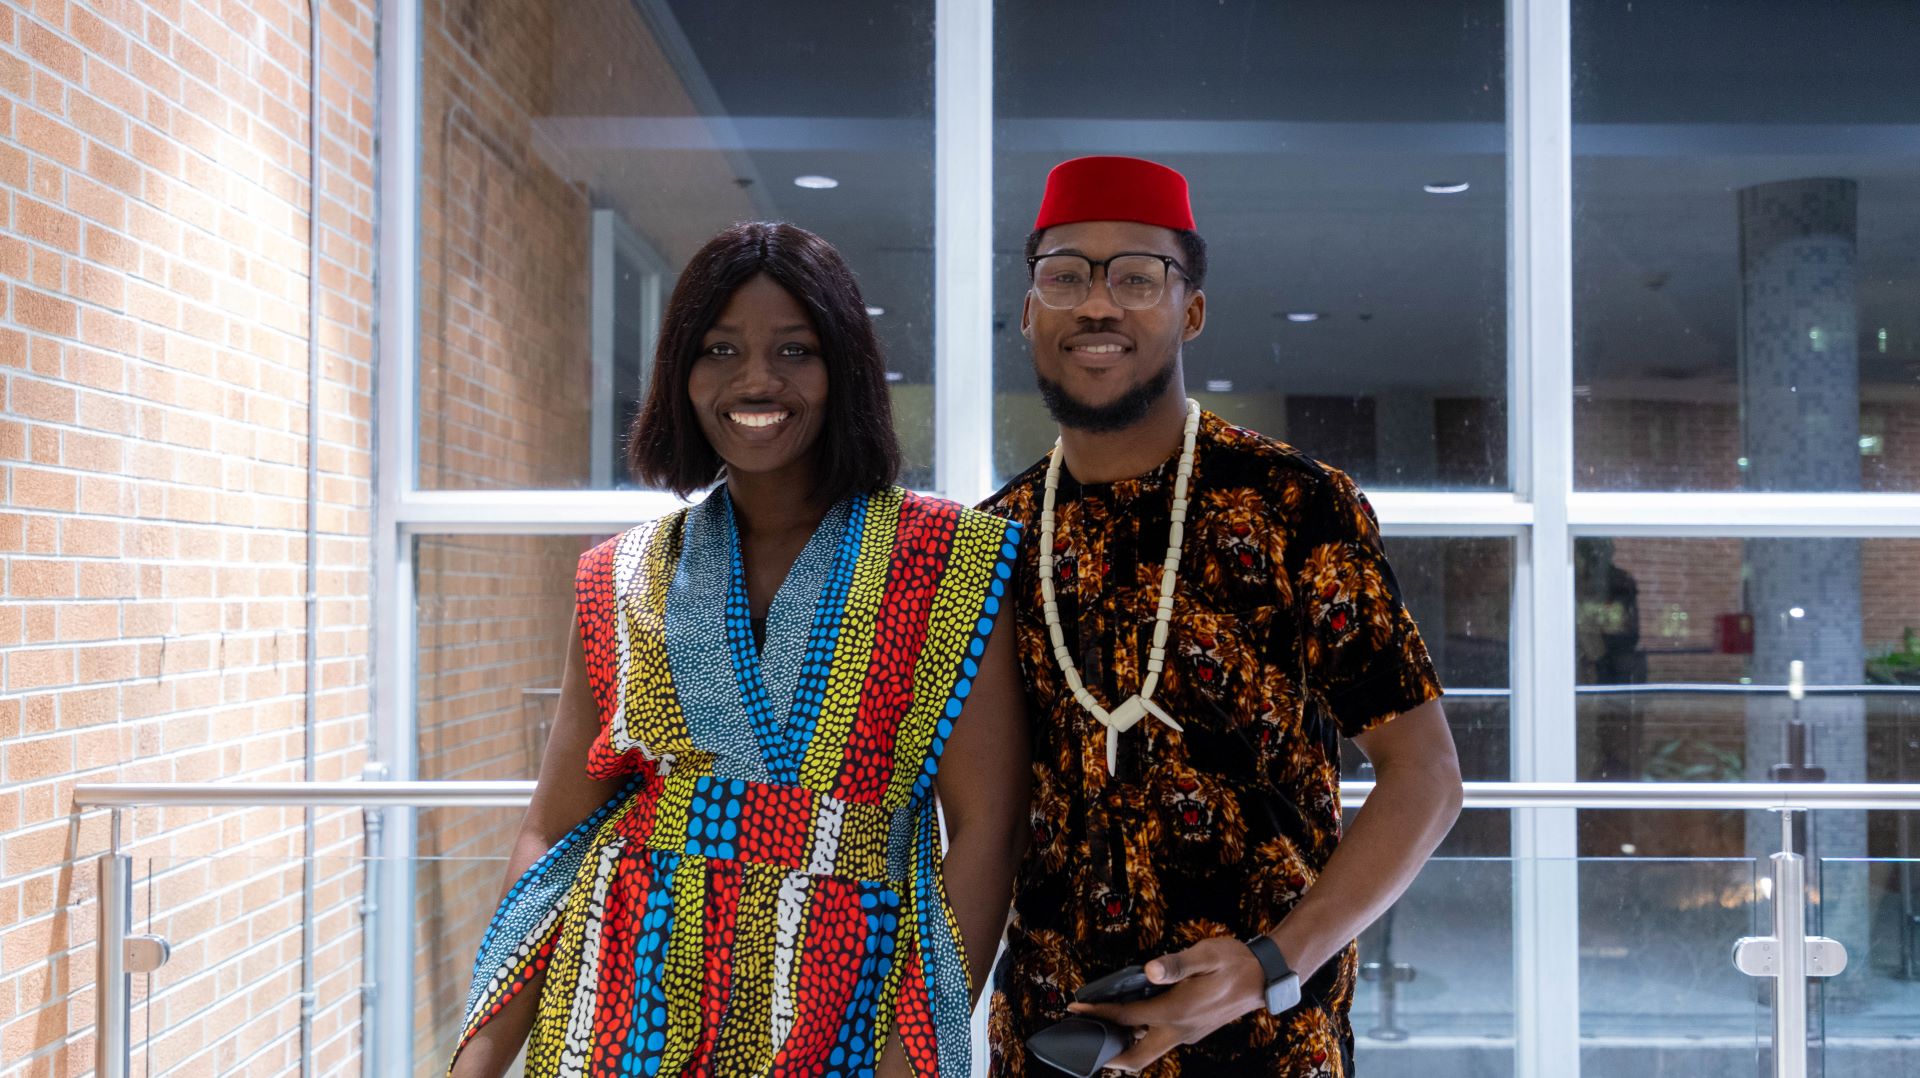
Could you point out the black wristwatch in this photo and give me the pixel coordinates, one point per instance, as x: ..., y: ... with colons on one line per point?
x: 1283, y: 985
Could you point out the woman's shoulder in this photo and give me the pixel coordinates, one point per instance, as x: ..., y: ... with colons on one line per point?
x: 931, y: 507
x: 637, y: 538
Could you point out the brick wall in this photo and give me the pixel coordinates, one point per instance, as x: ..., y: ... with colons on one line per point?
x: 153, y: 357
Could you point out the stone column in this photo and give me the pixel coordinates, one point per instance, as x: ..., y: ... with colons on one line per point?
x: 1800, y: 423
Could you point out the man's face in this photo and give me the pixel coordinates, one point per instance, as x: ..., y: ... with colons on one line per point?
x: 1102, y: 366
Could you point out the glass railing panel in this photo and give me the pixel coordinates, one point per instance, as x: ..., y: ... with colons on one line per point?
x: 1866, y: 1021
x: 1658, y: 990
x: 227, y: 1001
x: 455, y: 896
x: 1435, y: 995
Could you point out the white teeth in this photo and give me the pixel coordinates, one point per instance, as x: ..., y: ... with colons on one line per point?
x: 758, y: 419
x: 1100, y: 349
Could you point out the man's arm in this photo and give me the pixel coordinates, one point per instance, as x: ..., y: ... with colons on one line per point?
x: 1414, y: 803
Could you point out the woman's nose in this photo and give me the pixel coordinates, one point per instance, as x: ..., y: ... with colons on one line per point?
x: 758, y: 372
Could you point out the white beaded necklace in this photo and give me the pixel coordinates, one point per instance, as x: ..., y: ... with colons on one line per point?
x: 1140, y: 705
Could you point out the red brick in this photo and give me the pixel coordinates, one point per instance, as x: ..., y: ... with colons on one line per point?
x: 49, y: 402
x: 48, y: 137
x: 49, y: 52
x: 13, y: 162
x: 40, y: 758
x: 48, y: 224
x: 116, y: 170
x: 97, y: 37
x: 39, y: 311
x: 38, y: 668
x: 34, y: 488
x: 96, y: 202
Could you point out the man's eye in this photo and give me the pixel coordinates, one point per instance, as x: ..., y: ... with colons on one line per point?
x: 1065, y: 277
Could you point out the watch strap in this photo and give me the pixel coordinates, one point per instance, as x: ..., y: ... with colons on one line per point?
x: 1273, y: 964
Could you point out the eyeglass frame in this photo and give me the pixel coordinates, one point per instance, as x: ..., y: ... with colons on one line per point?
x: 1167, y: 262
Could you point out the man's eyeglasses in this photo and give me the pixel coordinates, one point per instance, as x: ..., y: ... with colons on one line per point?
x: 1135, y: 281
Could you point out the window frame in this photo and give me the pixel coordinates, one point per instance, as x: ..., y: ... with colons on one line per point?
x: 1543, y: 513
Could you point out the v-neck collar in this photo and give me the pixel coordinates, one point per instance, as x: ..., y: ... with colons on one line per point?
x: 752, y: 704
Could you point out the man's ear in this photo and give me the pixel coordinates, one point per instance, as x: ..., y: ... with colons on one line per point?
x: 1196, y: 316
x: 1026, y: 315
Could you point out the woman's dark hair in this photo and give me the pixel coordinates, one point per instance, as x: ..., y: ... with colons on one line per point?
x: 857, y: 450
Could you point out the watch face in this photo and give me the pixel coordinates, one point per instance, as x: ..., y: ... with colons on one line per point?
x: 1284, y: 994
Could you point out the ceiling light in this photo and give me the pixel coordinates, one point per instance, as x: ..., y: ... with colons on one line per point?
x: 1444, y: 188
x: 1219, y: 385
x: 816, y: 183
x: 1883, y: 341
x: 896, y: 376
x: 1797, y: 612
x: 875, y: 312
x: 1303, y: 316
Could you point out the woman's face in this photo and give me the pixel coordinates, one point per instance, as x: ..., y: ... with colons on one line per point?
x: 759, y: 384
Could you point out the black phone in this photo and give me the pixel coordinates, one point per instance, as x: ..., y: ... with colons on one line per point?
x: 1127, y: 985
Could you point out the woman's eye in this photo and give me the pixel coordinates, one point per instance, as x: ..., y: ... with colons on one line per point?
x: 718, y: 350
x: 795, y: 351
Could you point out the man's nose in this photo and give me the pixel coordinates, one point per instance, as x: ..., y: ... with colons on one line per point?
x: 1099, y: 305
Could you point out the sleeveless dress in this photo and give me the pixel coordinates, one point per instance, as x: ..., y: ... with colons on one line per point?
x: 764, y: 894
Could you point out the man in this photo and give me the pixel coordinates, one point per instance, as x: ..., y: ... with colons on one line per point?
x: 1186, y: 808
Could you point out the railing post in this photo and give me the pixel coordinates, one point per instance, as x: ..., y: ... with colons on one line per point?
x: 1790, y: 982
x: 1789, y: 956
x: 113, y: 991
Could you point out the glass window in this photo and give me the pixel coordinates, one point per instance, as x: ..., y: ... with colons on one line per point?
x: 1746, y: 220
x: 1747, y: 660
x: 1349, y: 174
x: 573, y: 156
x: 493, y: 619
x: 1460, y: 592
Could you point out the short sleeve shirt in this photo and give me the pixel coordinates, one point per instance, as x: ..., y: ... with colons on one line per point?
x: 1287, y: 634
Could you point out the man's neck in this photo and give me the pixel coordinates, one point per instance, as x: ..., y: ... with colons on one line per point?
x: 1107, y: 456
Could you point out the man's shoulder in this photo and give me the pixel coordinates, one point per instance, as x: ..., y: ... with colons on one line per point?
x: 1266, y: 462
x: 1017, y: 500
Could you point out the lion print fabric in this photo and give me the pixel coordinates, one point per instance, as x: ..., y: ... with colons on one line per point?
x: 1288, y: 634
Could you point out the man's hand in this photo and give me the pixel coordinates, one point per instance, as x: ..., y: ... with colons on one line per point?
x: 1214, y: 982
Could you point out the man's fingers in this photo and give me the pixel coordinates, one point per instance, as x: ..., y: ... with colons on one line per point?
x: 1176, y: 967
x: 1142, y: 1012
x: 1158, y: 1042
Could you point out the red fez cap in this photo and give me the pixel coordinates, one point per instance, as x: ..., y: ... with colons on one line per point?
x: 1115, y: 189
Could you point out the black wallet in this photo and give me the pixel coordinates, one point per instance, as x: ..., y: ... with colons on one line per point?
x: 1080, y: 1045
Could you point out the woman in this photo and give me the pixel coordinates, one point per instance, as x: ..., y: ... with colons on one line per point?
x: 731, y: 864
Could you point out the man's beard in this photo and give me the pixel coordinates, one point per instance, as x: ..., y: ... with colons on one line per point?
x: 1119, y: 414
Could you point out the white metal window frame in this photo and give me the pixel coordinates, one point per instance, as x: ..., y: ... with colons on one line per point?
x: 1543, y: 513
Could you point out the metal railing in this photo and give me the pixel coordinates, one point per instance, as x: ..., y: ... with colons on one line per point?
x: 1788, y: 957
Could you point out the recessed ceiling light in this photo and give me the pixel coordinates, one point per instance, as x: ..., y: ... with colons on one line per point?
x: 1303, y: 316
x: 816, y: 183
x: 1219, y: 385
x: 875, y: 312
x: 1797, y: 612
x: 1444, y: 188
x: 896, y: 376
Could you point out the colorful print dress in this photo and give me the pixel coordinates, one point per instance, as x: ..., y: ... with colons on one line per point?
x: 764, y: 895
